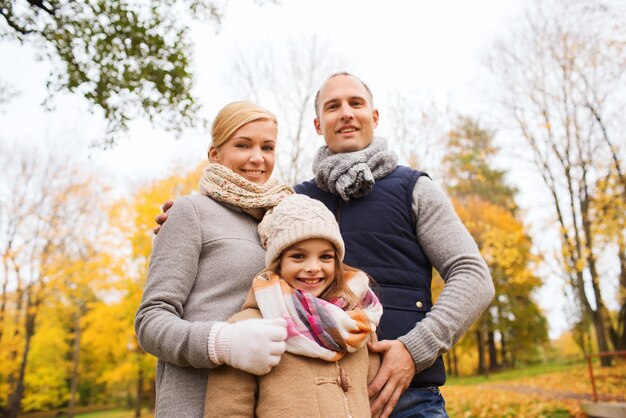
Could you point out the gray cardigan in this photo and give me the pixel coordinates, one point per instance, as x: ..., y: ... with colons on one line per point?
x: 202, y: 264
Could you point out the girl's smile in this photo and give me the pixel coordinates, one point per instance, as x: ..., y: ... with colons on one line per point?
x: 309, y: 265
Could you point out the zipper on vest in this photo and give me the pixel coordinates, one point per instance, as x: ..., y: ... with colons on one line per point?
x: 338, y: 211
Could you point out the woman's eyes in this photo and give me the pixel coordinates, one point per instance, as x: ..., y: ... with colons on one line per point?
x: 264, y: 147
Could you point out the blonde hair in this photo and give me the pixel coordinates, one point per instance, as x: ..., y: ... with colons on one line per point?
x: 235, y: 115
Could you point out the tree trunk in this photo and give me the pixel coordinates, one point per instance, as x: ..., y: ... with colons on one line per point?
x: 600, y: 331
x: 480, y: 346
x: 139, y: 399
x: 75, y: 361
x: 3, y: 302
x: 452, y: 364
x: 503, y: 351
x: 599, y: 316
x: 493, y: 352
x: 618, y: 334
x: 19, y: 301
x: 15, y: 399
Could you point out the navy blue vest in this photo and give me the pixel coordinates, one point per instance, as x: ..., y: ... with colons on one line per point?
x: 379, y: 233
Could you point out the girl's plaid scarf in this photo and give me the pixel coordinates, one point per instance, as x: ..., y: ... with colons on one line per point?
x: 315, y: 327
x: 224, y: 185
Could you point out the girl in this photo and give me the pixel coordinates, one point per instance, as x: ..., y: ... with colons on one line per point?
x: 331, y: 314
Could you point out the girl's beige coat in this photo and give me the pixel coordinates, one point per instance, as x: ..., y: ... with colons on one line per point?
x: 297, y: 387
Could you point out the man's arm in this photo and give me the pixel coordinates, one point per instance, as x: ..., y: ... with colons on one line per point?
x: 468, y: 288
x: 162, y: 217
x: 467, y: 292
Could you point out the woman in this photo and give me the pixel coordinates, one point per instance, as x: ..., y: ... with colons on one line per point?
x: 202, y: 262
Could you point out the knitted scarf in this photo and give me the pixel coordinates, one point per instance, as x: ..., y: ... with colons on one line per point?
x: 224, y: 185
x: 353, y: 174
x: 315, y: 327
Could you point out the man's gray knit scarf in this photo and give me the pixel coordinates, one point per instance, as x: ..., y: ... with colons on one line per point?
x: 353, y: 174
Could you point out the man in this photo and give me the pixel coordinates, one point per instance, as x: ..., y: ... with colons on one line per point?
x: 397, y: 226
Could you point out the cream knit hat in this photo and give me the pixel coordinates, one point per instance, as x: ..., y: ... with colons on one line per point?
x: 297, y: 218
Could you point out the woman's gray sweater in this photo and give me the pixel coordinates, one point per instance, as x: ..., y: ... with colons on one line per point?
x: 202, y: 265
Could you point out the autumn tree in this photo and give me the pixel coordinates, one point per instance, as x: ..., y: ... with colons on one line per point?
x: 124, y: 368
x: 46, y: 203
x: 285, y: 80
x: 513, y: 325
x: 125, y: 58
x: 560, y: 79
x: 608, y: 214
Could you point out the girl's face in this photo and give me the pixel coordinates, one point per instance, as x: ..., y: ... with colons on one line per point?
x: 249, y: 152
x: 309, y: 265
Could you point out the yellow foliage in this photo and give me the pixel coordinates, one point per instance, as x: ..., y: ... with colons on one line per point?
x: 108, y: 341
x: 491, y: 401
x: 501, y: 238
x: 48, y: 370
x: 121, y: 374
x: 566, y: 346
x: 552, y: 394
x: 513, y: 315
x: 134, y: 217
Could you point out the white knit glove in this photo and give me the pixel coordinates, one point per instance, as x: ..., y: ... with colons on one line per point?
x: 254, y: 345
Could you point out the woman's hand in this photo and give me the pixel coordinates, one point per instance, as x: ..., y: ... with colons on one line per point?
x: 253, y: 345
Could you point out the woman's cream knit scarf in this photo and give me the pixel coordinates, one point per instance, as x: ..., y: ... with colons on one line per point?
x: 224, y: 185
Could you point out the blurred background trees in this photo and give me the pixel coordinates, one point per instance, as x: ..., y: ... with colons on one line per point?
x: 74, y: 262
x: 75, y: 254
x: 560, y: 74
x: 285, y: 79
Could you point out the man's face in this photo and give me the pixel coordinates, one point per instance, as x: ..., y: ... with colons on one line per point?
x: 346, y: 117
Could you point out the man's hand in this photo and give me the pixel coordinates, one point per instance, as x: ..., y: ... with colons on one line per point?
x: 393, y: 377
x: 162, y: 217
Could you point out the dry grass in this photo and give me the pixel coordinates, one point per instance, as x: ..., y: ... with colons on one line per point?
x: 554, y: 394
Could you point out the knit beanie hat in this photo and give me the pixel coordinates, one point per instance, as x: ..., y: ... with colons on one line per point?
x: 297, y: 218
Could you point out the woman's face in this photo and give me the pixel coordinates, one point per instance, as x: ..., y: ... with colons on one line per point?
x: 249, y: 152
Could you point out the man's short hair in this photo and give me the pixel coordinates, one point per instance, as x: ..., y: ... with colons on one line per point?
x: 317, y: 95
